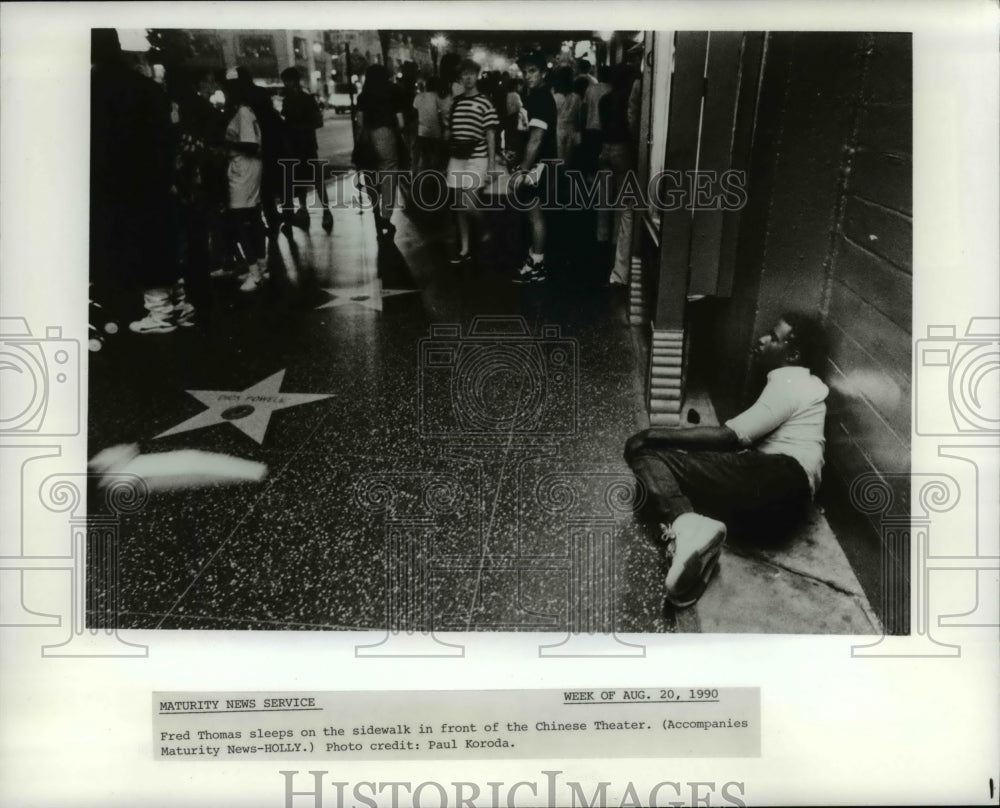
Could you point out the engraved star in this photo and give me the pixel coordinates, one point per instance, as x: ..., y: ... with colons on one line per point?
x: 370, y: 295
x: 248, y: 410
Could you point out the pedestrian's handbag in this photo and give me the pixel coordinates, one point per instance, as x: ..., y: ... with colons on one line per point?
x: 460, y: 149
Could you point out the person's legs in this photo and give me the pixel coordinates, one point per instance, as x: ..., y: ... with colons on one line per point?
x: 270, y: 190
x: 421, y: 154
x: 464, y: 230
x: 384, y: 141
x: 620, y: 162
x: 729, y: 486
x: 155, y: 263
x: 247, y: 231
x: 605, y: 214
x: 536, y: 219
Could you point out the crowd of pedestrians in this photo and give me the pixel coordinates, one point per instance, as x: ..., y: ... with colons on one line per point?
x: 182, y: 191
x: 496, y: 135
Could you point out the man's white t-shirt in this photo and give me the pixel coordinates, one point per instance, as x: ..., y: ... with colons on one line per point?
x: 788, y: 419
x: 244, y: 170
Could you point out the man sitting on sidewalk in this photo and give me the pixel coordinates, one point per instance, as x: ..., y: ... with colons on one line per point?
x: 761, y: 468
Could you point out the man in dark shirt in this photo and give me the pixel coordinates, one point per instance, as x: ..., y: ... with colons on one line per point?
x: 536, y: 173
x: 302, y: 119
x: 133, y: 211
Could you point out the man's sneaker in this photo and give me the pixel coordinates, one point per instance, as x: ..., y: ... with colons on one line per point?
x: 222, y: 272
x: 532, y: 272
x: 255, y: 277
x: 265, y: 274
x: 151, y: 324
x: 694, y: 543
x: 457, y: 259
x: 184, y: 314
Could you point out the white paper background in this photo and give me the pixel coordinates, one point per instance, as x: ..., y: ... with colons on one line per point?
x: 76, y: 732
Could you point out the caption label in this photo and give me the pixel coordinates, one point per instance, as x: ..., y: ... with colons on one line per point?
x: 465, y: 724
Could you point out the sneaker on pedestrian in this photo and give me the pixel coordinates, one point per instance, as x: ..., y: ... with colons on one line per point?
x: 222, y: 272
x: 255, y: 277
x: 265, y: 273
x: 532, y: 272
x: 152, y: 324
x: 694, y: 543
x: 459, y: 258
x: 183, y: 312
x: 159, y: 318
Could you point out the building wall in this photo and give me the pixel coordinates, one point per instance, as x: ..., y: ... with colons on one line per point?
x: 827, y: 229
x: 234, y: 53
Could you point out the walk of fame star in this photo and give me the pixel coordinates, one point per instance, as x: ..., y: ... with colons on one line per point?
x: 248, y: 410
x: 370, y: 296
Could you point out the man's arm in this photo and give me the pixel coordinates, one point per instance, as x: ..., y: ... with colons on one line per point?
x: 535, y: 135
x: 491, y: 150
x: 695, y: 438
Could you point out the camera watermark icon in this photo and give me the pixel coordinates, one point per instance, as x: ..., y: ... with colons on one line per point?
x: 92, y: 563
x: 498, y: 380
x: 909, y: 562
x: 423, y: 563
x: 40, y: 377
x: 967, y: 369
x: 410, y: 501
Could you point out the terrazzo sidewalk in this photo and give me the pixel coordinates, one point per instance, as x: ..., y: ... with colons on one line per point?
x: 444, y: 453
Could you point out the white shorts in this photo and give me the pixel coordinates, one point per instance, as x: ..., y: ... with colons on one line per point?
x: 469, y: 173
x: 245, y: 174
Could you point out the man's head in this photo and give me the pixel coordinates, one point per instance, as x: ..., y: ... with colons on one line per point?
x: 208, y: 85
x: 292, y: 79
x: 468, y: 74
x: 583, y: 66
x: 534, y: 67
x: 105, y: 47
x: 796, y: 339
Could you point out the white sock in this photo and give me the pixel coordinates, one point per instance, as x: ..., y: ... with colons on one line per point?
x: 537, y: 257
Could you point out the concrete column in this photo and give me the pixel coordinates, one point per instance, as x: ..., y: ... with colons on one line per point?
x: 666, y: 373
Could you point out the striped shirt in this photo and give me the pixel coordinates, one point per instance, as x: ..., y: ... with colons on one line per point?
x: 470, y: 117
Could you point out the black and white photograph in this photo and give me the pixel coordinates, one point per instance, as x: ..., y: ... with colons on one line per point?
x: 535, y: 330
x: 499, y: 403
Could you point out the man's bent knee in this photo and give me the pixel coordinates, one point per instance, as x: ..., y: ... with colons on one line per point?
x: 634, y: 445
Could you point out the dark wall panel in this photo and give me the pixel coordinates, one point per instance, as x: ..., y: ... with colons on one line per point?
x: 882, y: 285
x: 881, y: 231
x: 883, y: 178
x: 888, y: 390
x: 886, y: 128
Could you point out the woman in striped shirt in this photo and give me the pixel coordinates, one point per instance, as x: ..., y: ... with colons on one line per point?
x: 472, y: 145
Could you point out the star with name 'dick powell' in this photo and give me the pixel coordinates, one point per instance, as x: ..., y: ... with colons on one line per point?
x: 248, y: 410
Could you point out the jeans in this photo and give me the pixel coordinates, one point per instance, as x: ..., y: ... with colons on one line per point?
x: 296, y: 178
x: 380, y: 182
x: 246, y: 230
x: 743, y: 489
x: 619, y: 157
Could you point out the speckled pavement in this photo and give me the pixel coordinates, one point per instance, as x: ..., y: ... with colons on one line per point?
x: 419, y: 477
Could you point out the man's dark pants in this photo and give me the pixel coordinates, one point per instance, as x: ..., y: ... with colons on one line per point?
x: 759, y: 494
